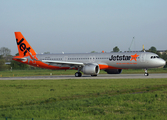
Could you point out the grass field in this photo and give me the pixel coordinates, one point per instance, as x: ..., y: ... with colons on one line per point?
x: 40, y: 72
x: 84, y: 99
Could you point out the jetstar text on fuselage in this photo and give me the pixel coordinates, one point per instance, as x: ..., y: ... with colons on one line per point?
x: 119, y: 58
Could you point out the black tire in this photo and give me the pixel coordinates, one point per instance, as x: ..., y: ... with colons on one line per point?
x: 146, y: 74
x: 78, y: 74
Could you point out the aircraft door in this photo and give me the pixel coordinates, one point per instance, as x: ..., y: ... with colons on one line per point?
x: 143, y: 57
x: 65, y: 58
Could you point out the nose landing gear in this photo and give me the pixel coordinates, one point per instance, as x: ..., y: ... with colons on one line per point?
x: 146, y: 73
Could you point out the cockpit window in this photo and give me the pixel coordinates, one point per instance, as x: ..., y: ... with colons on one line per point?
x: 152, y: 57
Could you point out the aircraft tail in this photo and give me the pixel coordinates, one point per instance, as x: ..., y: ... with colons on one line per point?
x: 23, y: 46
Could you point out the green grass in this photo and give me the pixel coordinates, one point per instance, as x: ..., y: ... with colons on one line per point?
x: 141, y: 71
x: 44, y: 72
x: 84, y: 99
x: 37, y: 72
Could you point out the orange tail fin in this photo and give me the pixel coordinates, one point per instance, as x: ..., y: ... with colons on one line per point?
x: 24, y: 47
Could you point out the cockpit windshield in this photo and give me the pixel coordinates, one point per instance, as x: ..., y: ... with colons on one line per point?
x: 152, y: 57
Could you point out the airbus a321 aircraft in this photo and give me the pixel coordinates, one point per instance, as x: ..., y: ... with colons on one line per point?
x: 87, y: 63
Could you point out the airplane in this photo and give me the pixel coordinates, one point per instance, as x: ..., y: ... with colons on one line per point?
x: 87, y: 63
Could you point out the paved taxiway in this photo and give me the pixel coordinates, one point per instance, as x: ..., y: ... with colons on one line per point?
x: 100, y: 76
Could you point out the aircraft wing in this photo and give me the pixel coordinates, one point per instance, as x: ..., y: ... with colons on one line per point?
x: 64, y: 63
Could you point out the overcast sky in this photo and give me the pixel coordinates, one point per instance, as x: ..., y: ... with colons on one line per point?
x: 74, y: 26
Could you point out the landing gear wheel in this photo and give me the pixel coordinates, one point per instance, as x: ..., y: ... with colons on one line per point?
x: 78, y: 74
x: 146, y: 74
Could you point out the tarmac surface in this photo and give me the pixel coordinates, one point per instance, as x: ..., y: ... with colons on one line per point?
x: 100, y: 76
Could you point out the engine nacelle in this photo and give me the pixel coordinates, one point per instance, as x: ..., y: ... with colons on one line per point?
x: 113, y: 71
x: 91, y: 69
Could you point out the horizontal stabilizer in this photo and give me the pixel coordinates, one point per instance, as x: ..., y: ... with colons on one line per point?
x: 20, y: 58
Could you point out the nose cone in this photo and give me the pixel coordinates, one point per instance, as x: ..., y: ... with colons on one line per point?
x: 161, y: 62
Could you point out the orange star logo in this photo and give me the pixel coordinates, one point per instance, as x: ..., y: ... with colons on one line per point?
x: 133, y: 57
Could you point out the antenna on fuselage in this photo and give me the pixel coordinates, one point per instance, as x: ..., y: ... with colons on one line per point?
x: 133, y: 39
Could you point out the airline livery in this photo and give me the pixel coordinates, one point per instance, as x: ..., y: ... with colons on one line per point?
x: 87, y: 63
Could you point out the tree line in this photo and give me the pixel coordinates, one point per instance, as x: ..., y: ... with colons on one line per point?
x: 6, y: 57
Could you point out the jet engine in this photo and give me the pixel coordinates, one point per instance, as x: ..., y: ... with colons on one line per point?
x: 113, y: 71
x: 91, y: 69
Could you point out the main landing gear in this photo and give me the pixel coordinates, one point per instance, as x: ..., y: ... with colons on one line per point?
x: 78, y: 74
x: 146, y: 73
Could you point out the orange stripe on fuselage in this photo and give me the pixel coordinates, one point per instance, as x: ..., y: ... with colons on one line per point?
x: 102, y: 67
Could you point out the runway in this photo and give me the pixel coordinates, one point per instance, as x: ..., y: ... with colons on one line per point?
x: 100, y: 76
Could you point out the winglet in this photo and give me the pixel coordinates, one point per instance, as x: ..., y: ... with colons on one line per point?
x: 23, y: 46
x: 143, y: 49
